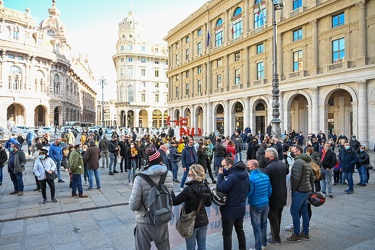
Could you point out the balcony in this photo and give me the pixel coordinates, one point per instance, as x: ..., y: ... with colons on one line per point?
x: 297, y: 11
x: 338, y: 65
x: 219, y: 90
x: 260, y: 82
x: 298, y: 74
x: 257, y: 30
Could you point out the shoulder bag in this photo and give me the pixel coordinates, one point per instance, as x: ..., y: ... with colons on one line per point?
x: 186, y: 222
x: 50, y: 176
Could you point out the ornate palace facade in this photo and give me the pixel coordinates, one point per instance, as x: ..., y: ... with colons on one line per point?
x: 41, y: 82
x: 220, y: 66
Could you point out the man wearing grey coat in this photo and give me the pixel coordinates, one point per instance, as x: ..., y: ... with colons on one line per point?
x: 145, y: 231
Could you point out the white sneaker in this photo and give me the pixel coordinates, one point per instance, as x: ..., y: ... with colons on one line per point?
x: 86, y: 184
x: 290, y: 227
x: 181, y: 189
x: 263, y: 248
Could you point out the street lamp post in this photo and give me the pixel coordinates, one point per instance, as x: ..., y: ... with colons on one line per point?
x: 277, y: 5
x: 102, y: 82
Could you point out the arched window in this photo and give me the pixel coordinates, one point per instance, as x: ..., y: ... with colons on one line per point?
x: 15, y: 78
x: 56, y: 84
x: 237, y: 23
x: 219, y: 33
x: 38, y: 82
x: 130, y: 94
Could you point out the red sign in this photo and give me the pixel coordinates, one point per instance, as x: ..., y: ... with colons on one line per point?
x: 184, y: 122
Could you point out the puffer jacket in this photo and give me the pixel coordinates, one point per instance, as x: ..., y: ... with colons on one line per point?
x: 260, y: 189
x: 329, y: 160
x: 40, y: 166
x: 139, y: 195
x: 237, y: 185
x: 348, y: 159
x: 302, y: 177
x: 76, y: 162
x: 192, y: 195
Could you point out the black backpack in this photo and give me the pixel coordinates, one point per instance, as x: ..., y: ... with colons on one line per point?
x: 159, y: 201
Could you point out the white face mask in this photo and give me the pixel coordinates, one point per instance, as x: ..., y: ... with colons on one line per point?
x: 168, y: 152
x: 189, y: 179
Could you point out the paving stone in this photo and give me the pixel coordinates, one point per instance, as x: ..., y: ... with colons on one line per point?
x: 64, y: 234
x: 11, y: 227
x: 37, y: 228
x: 13, y: 246
x: 11, y: 238
x: 86, y: 225
x: 76, y: 245
x: 103, y: 214
x: 95, y: 239
x: 59, y: 219
x: 114, y: 225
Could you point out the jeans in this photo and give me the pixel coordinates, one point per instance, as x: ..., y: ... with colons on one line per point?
x: 92, y: 173
x: 327, y: 182
x: 105, y: 159
x: 112, y: 162
x: 362, y: 171
x: 29, y: 143
x: 131, y: 173
x: 58, y: 169
x: 349, y: 177
x: 258, y: 216
x: 184, y: 177
x: 299, y: 205
x: 17, y: 181
x: 77, y: 184
x: 174, y: 170
x: 227, y: 225
x: 43, y: 186
x: 199, y: 235
x: 1, y: 175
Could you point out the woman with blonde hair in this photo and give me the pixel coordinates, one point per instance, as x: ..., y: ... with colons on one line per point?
x: 195, y: 191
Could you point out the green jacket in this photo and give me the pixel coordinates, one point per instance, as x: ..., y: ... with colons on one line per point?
x: 76, y: 162
x: 302, y: 177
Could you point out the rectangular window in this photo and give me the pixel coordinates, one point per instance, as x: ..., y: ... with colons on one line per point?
x: 176, y: 45
x: 177, y: 91
x: 130, y: 59
x: 218, y: 81
x: 143, y: 72
x: 156, y: 73
x: 260, y: 18
x: 176, y: 77
x: 260, y: 70
x: 297, y: 4
x: 122, y: 59
x: 143, y: 97
x: 338, y: 20
x: 199, y: 32
x: 237, y: 56
x: 237, y: 76
x: 218, y: 38
x: 187, y: 88
x: 156, y: 50
x: 176, y: 58
x: 20, y: 58
x: 338, y: 50
x: 187, y: 73
x: 130, y: 47
x: 16, y: 35
x: 219, y: 63
x: 156, y: 85
x: 122, y: 71
x: 130, y: 71
x: 187, y: 39
x: 10, y: 56
x: 199, y: 86
x: 297, y: 61
x: 156, y: 62
x: 157, y: 98
x: 122, y: 47
x: 187, y: 54
x: 237, y: 29
x: 260, y: 48
x: 199, y: 69
x: 199, y: 48
x: 143, y: 60
x: 143, y: 48
x: 297, y: 35
x: 144, y: 84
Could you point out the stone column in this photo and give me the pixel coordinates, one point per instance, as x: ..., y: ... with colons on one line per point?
x: 245, y: 21
x: 226, y: 118
x: 209, y: 118
x: 226, y: 73
x: 208, y: 87
x: 356, y: 119
x: 362, y: 113
x: 315, y: 47
x: 280, y: 56
x: 246, y: 81
x: 136, y: 117
x: 362, y: 35
x: 314, y: 110
x: 246, y: 113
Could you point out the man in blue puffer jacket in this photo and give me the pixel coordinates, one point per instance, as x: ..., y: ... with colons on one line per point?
x: 258, y: 198
x: 233, y: 179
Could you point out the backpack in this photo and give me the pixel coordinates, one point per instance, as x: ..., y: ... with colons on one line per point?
x: 159, y: 201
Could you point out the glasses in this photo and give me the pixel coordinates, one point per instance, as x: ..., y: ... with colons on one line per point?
x: 224, y: 166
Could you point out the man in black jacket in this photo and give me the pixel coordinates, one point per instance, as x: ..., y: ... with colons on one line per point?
x: 219, y: 154
x: 113, y: 149
x: 277, y: 171
x: 3, y: 159
x: 328, y: 158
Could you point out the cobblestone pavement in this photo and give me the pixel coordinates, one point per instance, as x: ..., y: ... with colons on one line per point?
x: 105, y: 221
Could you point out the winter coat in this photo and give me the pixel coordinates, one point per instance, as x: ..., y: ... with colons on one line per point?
x: 363, y: 158
x: 112, y: 147
x: 55, y: 152
x: 348, y: 159
x: 260, y: 156
x: 19, y: 161
x: 260, y: 189
x: 3, y: 157
x: 219, y: 150
x: 192, y: 195
x: 92, y: 157
x: 231, y: 151
x: 277, y: 171
x: 186, y: 158
x: 174, y: 155
x: 76, y: 162
x: 103, y: 145
x: 138, y: 198
x: 202, y: 159
x: 329, y: 160
x: 40, y: 166
x: 302, y: 177
x: 237, y: 185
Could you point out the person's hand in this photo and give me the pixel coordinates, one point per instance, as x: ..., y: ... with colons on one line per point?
x: 184, y: 169
x: 50, y: 171
x: 220, y: 170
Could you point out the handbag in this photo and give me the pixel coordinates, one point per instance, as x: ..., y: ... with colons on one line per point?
x: 50, y: 176
x: 186, y: 222
x: 369, y: 166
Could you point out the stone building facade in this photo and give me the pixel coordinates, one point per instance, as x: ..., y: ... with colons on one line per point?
x: 220, y: 66
x: 141, y: 80
x: 41, y: 82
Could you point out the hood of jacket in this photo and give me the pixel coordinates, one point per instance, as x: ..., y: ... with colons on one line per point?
x: 155, y: 170
x: 238, y: 170
x: 199, y: 188
x: 305, y: 157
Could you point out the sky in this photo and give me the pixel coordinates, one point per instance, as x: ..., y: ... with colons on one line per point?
x: 92, y: 26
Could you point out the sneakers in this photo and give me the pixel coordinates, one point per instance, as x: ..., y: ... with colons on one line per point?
x: 294, y: 238
x: 263, y: 248
x: 54, y: 199
x: 36, y: 189
x: 304, y: 236
x: 181, y: 188
x: 130, y: 183
x: 289, y: 228
x: 115, y: 172
x: 61, y: 181
x: 14, y: 192
x: 20, y: 193
x: 274, y: 242
x: 214, y: 182
x: 86, y: 184
x: 350, y: 192
x: 44, y: 200
x: 110, y: 173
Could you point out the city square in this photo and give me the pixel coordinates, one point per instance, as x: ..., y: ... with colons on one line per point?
x: 267, y: 69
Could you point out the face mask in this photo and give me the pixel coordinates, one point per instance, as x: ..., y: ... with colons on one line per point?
x: 132, y: 146
x: 80, y: 150
x: 225, y: 171
x: 11, y: 149
x: 327, y: 148
x: 189, y: 179
x: 361, y: 150
x: 42, y: 157
x: 353, y: 139
x: 292, y: 154
x: 168, y: 152
x: 347, y: 147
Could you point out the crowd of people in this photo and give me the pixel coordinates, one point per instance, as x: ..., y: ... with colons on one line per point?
x: 262, y: 180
